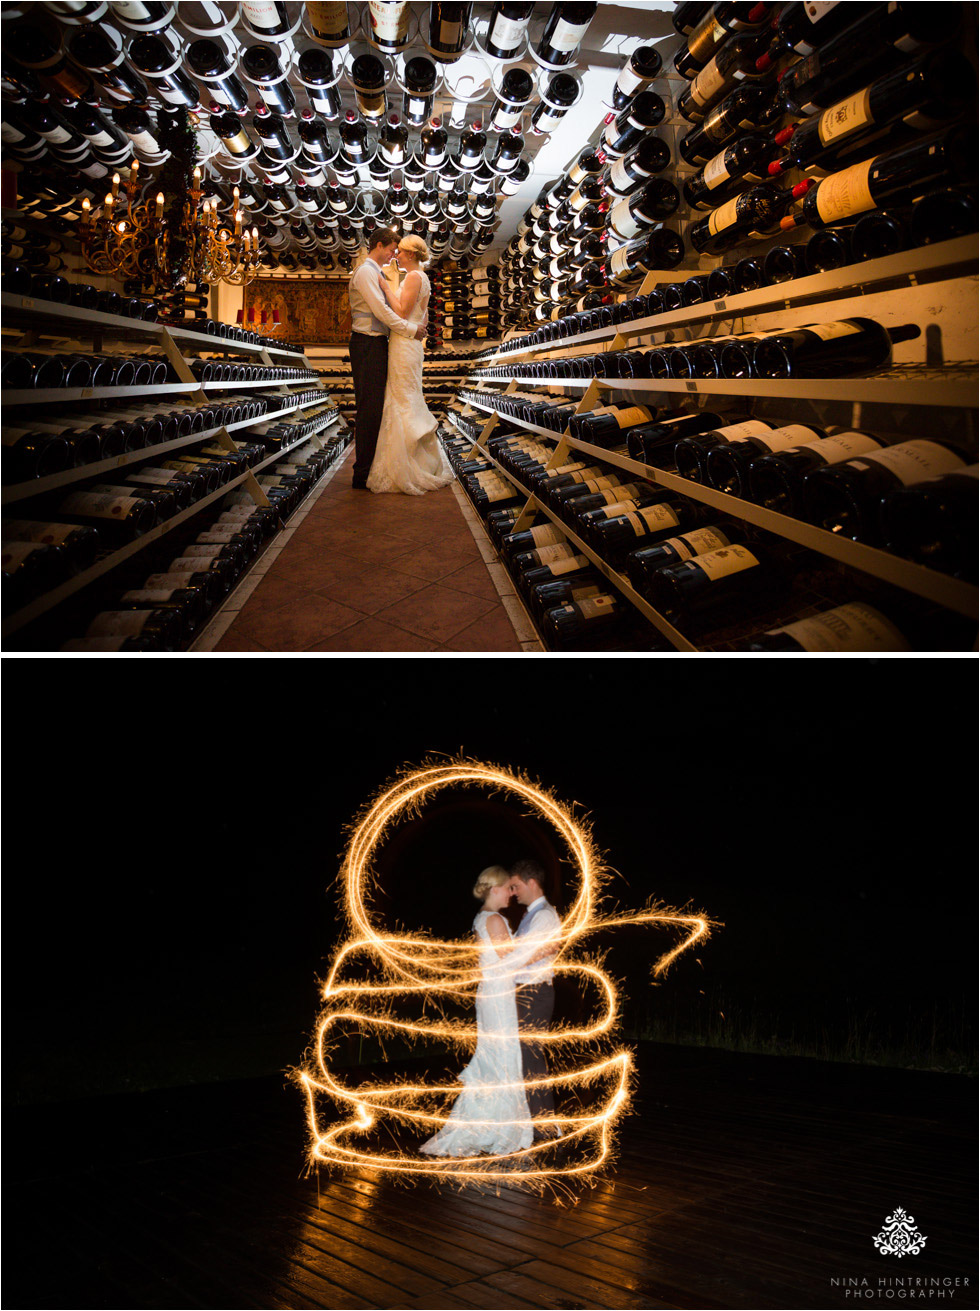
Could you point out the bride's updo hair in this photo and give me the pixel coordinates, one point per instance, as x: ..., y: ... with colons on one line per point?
x: 415, y: 246
x: 492, y: 876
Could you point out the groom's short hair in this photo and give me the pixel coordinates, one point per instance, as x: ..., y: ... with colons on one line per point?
x: 382, y: 237
x: 525, y: 870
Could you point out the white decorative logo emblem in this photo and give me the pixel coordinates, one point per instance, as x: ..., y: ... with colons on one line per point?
x: 900, y: 1236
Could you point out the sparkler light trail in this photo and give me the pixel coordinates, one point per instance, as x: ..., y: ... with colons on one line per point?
x: 593, y: 1088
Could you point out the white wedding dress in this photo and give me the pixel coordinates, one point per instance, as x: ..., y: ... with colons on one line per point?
x: 491, y: 1113
x: 408, y: 457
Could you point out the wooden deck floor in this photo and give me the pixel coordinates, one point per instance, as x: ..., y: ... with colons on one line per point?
x: 742, y: 1182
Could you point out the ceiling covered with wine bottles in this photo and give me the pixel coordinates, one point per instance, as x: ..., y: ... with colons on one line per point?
x: 466, y: 90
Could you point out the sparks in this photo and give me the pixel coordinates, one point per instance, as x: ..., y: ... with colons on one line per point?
x: 595, y: 1088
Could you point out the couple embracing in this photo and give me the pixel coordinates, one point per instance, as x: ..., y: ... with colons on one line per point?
x: 507, y: 1104
x: 395, y: 445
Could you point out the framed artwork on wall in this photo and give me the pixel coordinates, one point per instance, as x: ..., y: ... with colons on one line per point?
x: 311, y: 311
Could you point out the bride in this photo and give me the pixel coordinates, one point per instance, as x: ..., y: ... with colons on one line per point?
x: 491, y: 1114
x: 408, y: 457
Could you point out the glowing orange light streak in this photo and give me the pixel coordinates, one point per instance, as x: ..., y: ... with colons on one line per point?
x: 433, y: 969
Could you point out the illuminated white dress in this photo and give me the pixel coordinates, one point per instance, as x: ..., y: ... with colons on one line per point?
x: 408, y: 457
x: 491, y: 1113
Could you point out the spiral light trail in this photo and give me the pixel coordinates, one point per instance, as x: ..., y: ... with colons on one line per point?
x: 595, y: 1089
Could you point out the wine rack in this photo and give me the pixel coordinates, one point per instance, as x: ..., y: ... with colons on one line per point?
x: 925, y: 391
x: 180, y: 347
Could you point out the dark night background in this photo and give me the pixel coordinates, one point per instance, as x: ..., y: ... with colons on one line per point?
x: 175, y: 894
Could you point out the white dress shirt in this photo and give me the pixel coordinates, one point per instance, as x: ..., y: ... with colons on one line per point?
x: 370, y: 313
x: 541, y: 921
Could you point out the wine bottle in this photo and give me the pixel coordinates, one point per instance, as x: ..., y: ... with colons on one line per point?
x: 691, y: 449
x: 607, y: 426
x: 739, y: 60
x: 564, y: 31
x: 583, y: 624
x: 923, y: 94
x: 210, y: 64
x: 853, y: 627
x: 556, y: 100
x: 934, y: 522
x: 516, y: 87
x: 714, y: 588
x: 159, y: 62
x: 879, y: 40
x: 369, y: 79
x: 120, y: 518
x: 800, y: 28
x: 942, y: 215
x: 569, y: 587
x: 99, y: 50
x: 825, y: 350
x: 448, y: 24
x: 646, y: 560
x: 30, y: 568
x: 747, y: 109
x: 718, y: 25
x: 845, y: 498
x: 420, y: 81
x: 329, y: 21
x: 624, y: 131
x: 615, y: 535
x: 887, y: 179
x: 726, y: 468
x: 752, y: 213
x: 78, y: 543
x: 163, y: 628
x: 639, y: 70
x: 660, y: 249
x: 775, y: 480
x: 389, y: 24
x: 644, y: 208
x: 267, y: 18
x: 744, y: 161
x: 261, y: 65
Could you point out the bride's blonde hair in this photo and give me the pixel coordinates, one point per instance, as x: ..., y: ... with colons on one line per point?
x: 415, y: 246
x: 491, y: 877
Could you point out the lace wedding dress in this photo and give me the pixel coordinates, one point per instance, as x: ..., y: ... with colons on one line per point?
x: 491, y: 1113
x: 408, y: 457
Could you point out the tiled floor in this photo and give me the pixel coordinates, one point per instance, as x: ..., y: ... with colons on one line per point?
x: 358, y: 572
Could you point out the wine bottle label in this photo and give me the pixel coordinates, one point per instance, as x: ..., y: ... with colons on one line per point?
x: 328, y: 17
x: 619, y: 261
x: 99, y: 505
x: 150, y: 595
x: 704, y: 39
x: 15, y: 553
x: 853, y: 627
x: 794, y: 434
x: 554, y: 552
x: 699, y: 542
x: 716, y: 171
x: 726, y: 561
x: 118, y: 622
x: 505, y: 33
x: 652, y: 518
x: 915, y: 461
x: 831, y: 331
x: 261, y: 14
x: 388, y: 21
x: 176, y: 577
x: 135, y: 12
x: 634, y: 416
x: 844, y: 445
x: 725, y: 216
x: 47, y: 534
x: 845, y: 193
x: 709, y: 83
x: 199, y: 555
x: 739, y: 432
x: 568, y: 565
x: 449, y: 35
x: 847, y: 117
x: 628, y: 81
x: 567, y: 36
x: 596, y: 607
x: 545, y: 535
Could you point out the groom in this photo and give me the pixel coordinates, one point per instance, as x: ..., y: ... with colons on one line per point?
x: 535, y: 987
x: 371, y: 317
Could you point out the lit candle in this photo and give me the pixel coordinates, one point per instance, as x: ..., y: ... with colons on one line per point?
x: 197, y: 179
x: 109, y: 202
x: 115, y: 185
x: 86, y: 212
x: 238, y: 222
x: 159, y: 204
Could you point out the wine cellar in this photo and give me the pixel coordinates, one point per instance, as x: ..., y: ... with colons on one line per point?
x: 701, y: 344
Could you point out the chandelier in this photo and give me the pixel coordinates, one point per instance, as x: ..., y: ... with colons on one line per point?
x: 171, y: 239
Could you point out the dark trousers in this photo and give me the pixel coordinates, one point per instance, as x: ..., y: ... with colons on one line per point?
x: 369, y: 366
x: 535, y: 1005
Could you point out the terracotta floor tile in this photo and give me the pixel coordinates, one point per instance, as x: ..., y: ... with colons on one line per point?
x: 364, y: 572
x: 437, y: 612
x: 298, y: 626
x: 374, y: 634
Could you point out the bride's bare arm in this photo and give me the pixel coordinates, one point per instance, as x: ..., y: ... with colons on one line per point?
x: 409, y: 295
x: 504, y: 944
